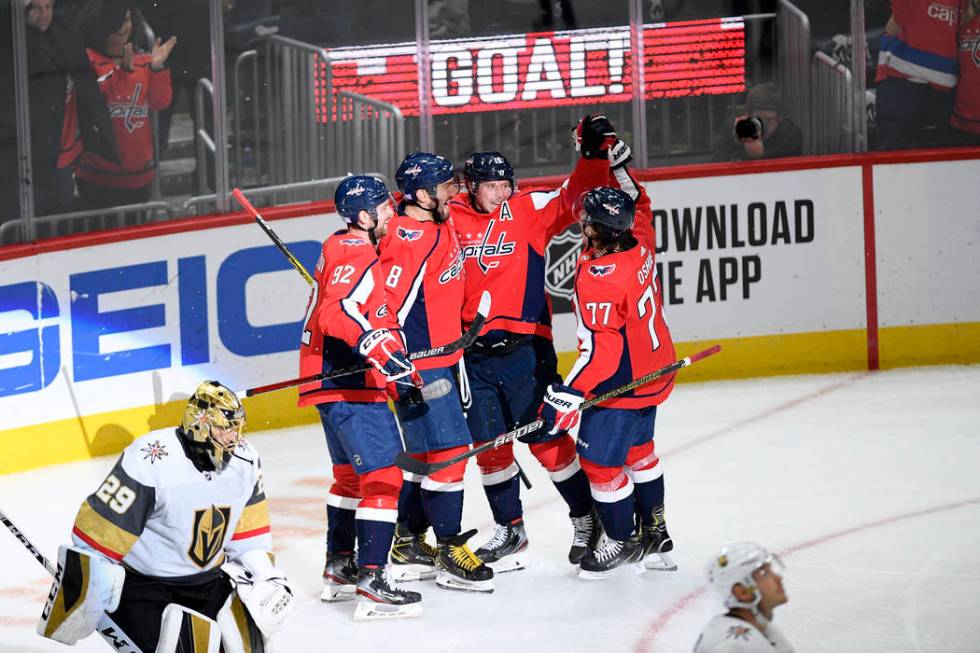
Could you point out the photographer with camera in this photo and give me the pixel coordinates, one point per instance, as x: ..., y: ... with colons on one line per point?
x: 764, y: 132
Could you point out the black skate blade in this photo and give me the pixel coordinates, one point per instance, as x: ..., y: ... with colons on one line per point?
x: 410, y: 465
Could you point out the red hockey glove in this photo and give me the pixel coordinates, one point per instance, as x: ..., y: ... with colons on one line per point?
x: 383, y: 350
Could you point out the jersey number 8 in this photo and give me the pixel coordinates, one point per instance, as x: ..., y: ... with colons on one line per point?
x: 116, y: 495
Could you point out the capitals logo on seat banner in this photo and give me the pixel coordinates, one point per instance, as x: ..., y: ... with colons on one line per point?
x: 602, y: 270
x: 560, y: 259
x: 409, y: 234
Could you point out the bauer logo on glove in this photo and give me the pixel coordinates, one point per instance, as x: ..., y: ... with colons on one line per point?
x: 561, y: 409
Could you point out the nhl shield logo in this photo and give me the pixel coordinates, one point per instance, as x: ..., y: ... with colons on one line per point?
x: 210, y: 528
x: 560, y: 259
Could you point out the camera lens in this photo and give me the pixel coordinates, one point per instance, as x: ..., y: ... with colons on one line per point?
x: 750, y: 127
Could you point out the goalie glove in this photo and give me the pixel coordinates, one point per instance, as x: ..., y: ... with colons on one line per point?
x: 263, y: 589
x: 383, y: 350
x: 85, y: 586
x: 594, y: 136
x: 561, y: 409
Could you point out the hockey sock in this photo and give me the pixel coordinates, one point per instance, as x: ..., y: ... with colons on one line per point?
x: 340, y: 529
x: 647, y: 473
x: 376, y: 515
x: 442, y: 493
x: 445, y: 511
x: 501, y: 483
x: 374, y: 540
x: 559, y: 458
x: 649, y: 495
x: 411, y: 513
x: 612, y: 490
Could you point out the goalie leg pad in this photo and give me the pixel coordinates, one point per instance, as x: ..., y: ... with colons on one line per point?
x: 183, y: 630
x: 85, y: 585
x: 239, y: 632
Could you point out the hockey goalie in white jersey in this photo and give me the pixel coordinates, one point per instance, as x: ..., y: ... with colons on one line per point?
x: 172, y: 552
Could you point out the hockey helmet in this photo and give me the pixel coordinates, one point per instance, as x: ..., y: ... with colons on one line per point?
x: 423, y: 171
x: 359, y: 193
x: 487, y: 166
x: 609, y: 210
x: 734, y: 565
x: 212, y: 405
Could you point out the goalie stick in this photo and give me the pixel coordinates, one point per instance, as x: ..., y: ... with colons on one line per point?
x: 240, y: 196
x: 462, y: 342
x: 409, y: 464
x: 111, y: 633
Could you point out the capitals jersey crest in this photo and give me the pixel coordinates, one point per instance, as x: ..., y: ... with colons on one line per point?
x: 602, y: 270
x: 409, y: 234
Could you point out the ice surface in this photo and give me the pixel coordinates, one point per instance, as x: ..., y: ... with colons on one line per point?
x: 868, y: 484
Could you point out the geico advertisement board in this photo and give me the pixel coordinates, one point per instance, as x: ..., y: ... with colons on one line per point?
x: 750, y: 255
x: 140, y: 322
x: 136, y: 322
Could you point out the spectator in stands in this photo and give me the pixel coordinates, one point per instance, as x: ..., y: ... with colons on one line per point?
x: 134, y: 84
x: 966, y: 108
x: 546, y: 17
x: 917, y: 69
x: 66, y: 111
x: 765, y: 132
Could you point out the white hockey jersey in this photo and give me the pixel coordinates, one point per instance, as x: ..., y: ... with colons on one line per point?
x: 725, y: 634
x: 157, y: 514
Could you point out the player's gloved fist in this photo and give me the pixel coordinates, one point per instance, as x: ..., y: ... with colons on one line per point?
x: 383, y: 350
x: 561, y: 409
x: 594, y: 136
x: 619, y: 154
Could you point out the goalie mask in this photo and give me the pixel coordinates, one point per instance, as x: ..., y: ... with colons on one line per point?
x: 213, y: 407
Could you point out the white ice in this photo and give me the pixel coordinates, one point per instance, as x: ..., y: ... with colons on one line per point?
x: 868, y: 484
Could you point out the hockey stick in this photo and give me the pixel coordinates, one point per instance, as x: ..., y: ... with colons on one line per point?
x: 111, y: 633
x: 272, y: 235
x: 409, y: 464
x: 463, y: 342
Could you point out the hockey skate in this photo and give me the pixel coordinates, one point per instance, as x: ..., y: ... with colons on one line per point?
x: 657, y: 544
x: 340, y: 577
x: 459, y: 568
x: 586, y: 531
x: 611, y: 554
x: 412, y: 558
x: 507, y: 549
x: 380, y: 599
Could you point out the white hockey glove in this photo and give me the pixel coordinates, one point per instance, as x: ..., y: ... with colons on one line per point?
x: 561, y: 409
x: 619, y: 154
x: 262, y: 588
x: 83, y: 575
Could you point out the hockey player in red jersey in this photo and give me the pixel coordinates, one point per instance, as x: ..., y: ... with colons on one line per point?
x: 423, y: 272
x: 347, y: 322
x: 622, y: 336
x: 504, y: 236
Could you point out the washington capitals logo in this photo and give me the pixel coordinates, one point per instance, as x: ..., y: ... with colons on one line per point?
x: 487, y: 248
x: 602, y: 270
x: 414, y: 170
x: 612, y: 208
x: 129, y: 112
x: 353, y: 242
x: 356, y: 190
x: 154, y: 452
x: 409, y: 234
x: 973, y: 47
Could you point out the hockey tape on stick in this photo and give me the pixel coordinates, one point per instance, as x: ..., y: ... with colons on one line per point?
x: 412, y: 466
x: 272, y: 234
x: 435, y: 390
x: 462, y: 342
x: 111, y: 633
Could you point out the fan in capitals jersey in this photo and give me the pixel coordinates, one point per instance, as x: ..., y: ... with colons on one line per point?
x: 622, y: 336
